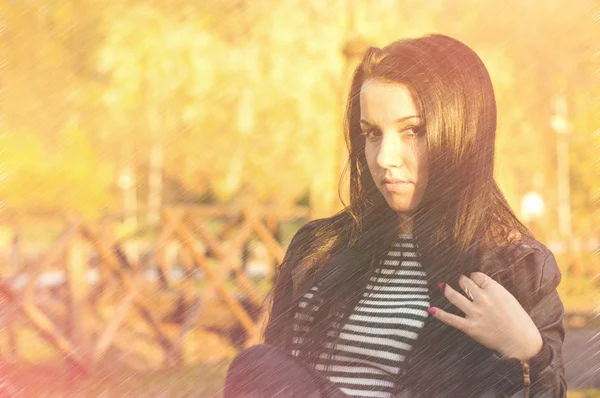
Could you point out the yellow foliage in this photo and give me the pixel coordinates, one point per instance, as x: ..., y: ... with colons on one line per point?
x: 67, y: 176
x: 248, y: 101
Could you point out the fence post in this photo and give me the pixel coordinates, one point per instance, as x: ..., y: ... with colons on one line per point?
x: 76, y: 275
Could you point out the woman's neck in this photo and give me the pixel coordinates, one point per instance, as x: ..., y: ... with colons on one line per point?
x: 406, y: 224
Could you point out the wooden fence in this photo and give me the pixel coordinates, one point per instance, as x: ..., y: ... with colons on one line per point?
x: 124, y: 284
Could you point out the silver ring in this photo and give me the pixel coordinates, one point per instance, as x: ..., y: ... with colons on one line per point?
x: 483, y: 281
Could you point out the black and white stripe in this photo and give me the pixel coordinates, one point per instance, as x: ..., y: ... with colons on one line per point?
x: 381, y: 329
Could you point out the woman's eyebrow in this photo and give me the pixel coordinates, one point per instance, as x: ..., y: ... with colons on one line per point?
x: 402, y: 119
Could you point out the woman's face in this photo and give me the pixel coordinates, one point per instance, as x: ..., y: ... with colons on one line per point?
x: 395, y: 143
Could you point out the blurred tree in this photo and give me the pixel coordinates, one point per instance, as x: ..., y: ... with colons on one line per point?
x: 290, y: 83
x: 48, y: 159
x: 244, y: 97
x: 66, y: 177
x: 48, y: 50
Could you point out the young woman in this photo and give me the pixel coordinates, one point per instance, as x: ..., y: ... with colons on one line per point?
x: 426, y: 284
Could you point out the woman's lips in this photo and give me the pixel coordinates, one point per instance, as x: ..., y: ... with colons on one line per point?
x: 396, y: 185
x: 393, y: 180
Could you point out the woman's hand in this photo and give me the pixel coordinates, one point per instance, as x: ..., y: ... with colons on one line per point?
x: 494, y: 317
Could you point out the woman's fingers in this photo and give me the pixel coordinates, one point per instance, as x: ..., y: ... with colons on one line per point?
x: 455, y: 321
x: 471, y: 289
x: 456, y: 298
x: 482, y: 280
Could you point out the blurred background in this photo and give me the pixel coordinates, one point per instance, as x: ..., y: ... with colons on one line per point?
x: 157, y: 157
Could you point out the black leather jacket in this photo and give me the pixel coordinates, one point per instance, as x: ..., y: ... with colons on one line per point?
x: 445, y: 362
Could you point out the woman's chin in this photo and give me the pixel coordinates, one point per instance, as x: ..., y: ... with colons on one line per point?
x: 401, y: 206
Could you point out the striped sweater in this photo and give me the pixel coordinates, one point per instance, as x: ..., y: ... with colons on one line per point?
x: 380, y: 330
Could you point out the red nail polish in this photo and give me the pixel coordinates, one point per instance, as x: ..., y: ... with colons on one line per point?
x: 431, y: 310
x: 441, y: 285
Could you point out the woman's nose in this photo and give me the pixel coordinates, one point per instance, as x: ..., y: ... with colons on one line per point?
x: 390, y: 152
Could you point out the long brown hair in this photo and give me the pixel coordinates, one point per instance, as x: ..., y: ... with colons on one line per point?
x: 462, y: 212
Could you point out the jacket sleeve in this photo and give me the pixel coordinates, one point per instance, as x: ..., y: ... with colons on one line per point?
x: 543, y: 375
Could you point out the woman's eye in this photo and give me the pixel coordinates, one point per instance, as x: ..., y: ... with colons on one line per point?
x: 371, y: 134
x: 414, y: 131
x: 411, y: 131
